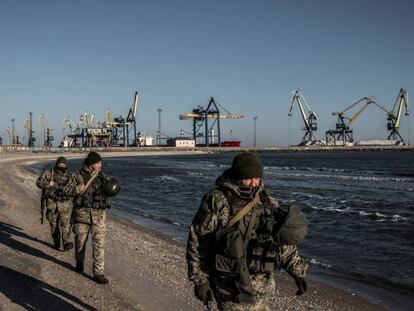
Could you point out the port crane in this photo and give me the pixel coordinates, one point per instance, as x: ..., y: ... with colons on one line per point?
x: 14, y: 138
x: 47, y: 131
x: 343, y: 129
x: 28, y: 125
x: 200, y: 116
x: 120, y: 126
x: 309, y: 118
x: 75, y: 133
x: 394, y: 116
x: 9, y: 134
x: 73, y: 128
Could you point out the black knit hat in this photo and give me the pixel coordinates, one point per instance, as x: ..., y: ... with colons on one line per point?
x: 60, y: 160
x: 245, y: 166
x: 92, y: 158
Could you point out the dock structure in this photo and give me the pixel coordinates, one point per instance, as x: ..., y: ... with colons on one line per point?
x: 200, y: 117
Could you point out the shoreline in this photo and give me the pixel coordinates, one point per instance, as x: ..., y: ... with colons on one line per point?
x: 319, y: 296
x: 174, y: 150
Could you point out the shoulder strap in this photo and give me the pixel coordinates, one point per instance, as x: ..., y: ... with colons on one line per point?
x: 243, y: 211
x: 93, y: 176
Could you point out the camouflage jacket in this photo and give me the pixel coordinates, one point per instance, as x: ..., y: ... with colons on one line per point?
x: 213, y: 214
x: 63, y: 190
x: 90, y: 206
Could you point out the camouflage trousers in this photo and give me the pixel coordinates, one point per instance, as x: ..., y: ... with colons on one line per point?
x: 59, y: 214
x: 264, y: 287
x: 97, y: 231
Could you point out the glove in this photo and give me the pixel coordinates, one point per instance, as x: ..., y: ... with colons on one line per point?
x: 302, y: 286
x: 203, y: 292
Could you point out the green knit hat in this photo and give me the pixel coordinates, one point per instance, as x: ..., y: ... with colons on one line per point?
x: 61, y: 160
x: 245, y: 166
x: 92, y: 158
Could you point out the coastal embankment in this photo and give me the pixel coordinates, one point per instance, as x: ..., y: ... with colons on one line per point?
x: 164, y: 149
x: 147, y: 270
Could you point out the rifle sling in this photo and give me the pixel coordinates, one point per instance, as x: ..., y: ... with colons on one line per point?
x: 243, y: 211
x: 94, y: 175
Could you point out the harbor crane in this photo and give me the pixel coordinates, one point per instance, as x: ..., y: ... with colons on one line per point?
x: 75, y: 133
x: 14, y: 138
x: 309, y: 118
x: 394, y: 116
x: 47, y: 131
x: 73, y: 128
x: 200, y: 116
x: 9, y: 134
x: 28, y: 125
x: 343, y: 132
x: 120, y: 126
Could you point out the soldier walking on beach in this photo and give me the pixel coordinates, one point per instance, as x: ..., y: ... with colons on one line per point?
x: 90, y: 215
x: 239, y: 237
x: 58, y: 189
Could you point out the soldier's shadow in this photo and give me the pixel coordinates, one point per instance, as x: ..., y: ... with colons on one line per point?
x: 19, y: 232
x: 6, y: 238
x: 32, y: 294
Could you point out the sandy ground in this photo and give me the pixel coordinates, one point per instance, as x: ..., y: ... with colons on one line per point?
x: 147, y: 271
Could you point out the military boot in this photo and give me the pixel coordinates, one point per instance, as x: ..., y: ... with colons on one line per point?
x: 100, y: 279
x: 56, y: 245
x: 79, y: 267
x: 67, y: 246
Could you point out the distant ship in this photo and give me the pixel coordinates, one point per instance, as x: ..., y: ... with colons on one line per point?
x: 231, y: 143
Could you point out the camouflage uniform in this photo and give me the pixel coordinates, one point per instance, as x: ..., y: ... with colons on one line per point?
x: 216, y: 209
x: 90, y: 216
x: 58, y: 202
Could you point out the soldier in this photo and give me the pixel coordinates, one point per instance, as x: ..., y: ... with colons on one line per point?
x: 58, y: 189
x: 238, y: 239
x: 90, y: 215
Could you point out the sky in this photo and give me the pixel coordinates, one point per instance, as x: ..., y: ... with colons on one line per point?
x: 62, y: 58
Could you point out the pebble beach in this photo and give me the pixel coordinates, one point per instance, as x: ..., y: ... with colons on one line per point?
x: 147, y: 270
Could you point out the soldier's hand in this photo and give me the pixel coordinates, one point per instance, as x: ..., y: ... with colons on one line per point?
x: 302, y: 286
x: 203, y: 292
x: 51, y: 183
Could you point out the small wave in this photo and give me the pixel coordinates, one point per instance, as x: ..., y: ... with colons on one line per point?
x: 376, y: 215
x: 330, y: 209
x: 347, y: 176
x: 153, y: 217
x: 398, y: 218
x: 315, y: 262
x: 168, y: 178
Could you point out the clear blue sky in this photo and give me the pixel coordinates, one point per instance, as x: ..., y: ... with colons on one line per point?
x: 62, y: 58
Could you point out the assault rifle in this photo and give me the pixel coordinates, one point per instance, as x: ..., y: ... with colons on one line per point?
x: 43, y: 199
x: 42, y: 205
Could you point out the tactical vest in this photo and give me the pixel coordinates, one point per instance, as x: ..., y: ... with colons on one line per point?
x: 94, y: 197
x: 58, y: 194
x: 247, y: 247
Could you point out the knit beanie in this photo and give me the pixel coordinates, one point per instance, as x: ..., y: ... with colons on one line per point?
x: 60, y: 160
x: 245, y: 166
x: 92, y: 158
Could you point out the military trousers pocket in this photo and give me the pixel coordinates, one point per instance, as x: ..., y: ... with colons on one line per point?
x: 226, y: 265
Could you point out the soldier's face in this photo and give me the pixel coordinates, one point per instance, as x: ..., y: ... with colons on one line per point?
x: 250, y: 182
x: 96, y: 166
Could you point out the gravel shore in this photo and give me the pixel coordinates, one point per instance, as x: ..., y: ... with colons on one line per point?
x: 147, y: 271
